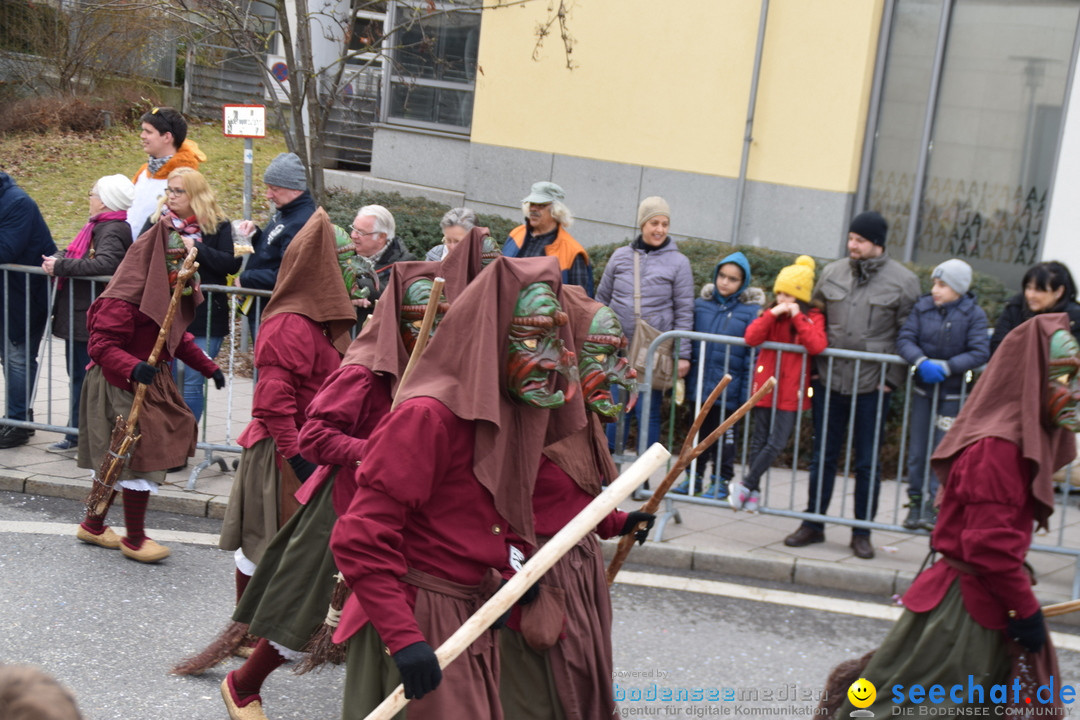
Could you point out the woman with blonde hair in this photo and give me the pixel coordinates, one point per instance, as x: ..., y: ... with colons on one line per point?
x: 191, y: 209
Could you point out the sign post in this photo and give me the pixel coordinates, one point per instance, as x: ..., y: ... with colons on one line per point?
x: 246, y: 121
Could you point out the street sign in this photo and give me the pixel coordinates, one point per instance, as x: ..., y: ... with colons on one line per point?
x: 246, y: 121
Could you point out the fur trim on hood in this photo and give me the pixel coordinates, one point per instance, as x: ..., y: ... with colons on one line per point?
x: 751, y: 295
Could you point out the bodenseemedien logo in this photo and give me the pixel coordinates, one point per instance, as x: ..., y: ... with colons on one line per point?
x: 861, y: 694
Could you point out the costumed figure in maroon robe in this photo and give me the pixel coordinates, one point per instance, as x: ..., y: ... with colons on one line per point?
x: 972, y: 618
x: 124, y: 322
x: 447, y: 478
x: 303, y: 335
x: 287, y: 598
x: 555, y: 654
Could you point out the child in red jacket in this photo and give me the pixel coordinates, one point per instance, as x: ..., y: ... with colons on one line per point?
x: 789, y: 320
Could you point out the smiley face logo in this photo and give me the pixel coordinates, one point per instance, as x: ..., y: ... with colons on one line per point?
x: 862, y: 693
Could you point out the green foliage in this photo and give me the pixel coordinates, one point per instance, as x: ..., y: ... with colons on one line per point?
x: 417, y: 219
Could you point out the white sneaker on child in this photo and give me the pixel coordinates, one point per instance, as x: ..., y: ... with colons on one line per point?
x: 738, y: 494
x: 753, y: 502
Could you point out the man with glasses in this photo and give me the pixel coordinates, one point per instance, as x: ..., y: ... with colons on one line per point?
x: 372, y: 233
x: 287, y: 190
x: 24, y: 240
x: 164, y: 139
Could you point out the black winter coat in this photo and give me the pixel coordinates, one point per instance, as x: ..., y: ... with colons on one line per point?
x: 1016, y: 311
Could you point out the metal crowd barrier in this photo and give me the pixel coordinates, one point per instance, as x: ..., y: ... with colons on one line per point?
x: 784, y: 490
x: 51, y: 406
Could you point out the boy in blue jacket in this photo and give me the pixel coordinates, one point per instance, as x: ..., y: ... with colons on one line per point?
x: 944, y: 338
x: 726, y: 307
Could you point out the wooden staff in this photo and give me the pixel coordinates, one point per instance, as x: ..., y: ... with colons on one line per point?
x: 124, y: 436
x: 685, y: 458
x: 1061, y: 608
x: 425, y: 331
x: 585, y: 522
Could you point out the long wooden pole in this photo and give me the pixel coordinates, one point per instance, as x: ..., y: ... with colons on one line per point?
x: 97, y: 500
x: 585, y: 522
x: 425, y: 330
x: 651, y: 505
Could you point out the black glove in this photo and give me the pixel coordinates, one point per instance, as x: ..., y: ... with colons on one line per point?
x: 419, y: 668
x: 219, y: 379
x: 1029, y: 632
x: 144, y: 373
x: 302, y: 467
x: 632, y: 520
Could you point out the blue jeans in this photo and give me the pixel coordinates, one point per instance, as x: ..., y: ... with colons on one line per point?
x: 919, y: 445
x: 833, y: 430
x: 78, y: 357
x: 20, y: 370
x: 194, y: 382
x: 653, y: 422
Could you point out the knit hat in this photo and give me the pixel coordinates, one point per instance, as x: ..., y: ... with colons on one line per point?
x: 116, y: 192
x: 286, y: 171
x: 871, y: 226
x: 651, y: 207
x: 797, y: 280
x: 544, y: 192
x: 954, y: 273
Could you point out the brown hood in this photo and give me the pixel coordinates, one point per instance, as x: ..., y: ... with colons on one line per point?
x: 464, y: 368
x: 1009, y: 402
x: 142, y: 279
x: 310, y: 283
x: 464, y: 263
x: 575, y: 437
x: 379, y: 346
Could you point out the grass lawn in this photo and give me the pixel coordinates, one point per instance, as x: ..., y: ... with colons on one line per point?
x: 58, y: 169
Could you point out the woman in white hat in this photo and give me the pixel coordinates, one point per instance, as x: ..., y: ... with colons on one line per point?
x: 96, y: 250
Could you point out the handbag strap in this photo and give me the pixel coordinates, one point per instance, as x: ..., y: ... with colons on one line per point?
x: 637, y: 285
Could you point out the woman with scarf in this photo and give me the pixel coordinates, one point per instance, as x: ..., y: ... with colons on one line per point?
x: 124, y: 323
x: 190, y: 209
x: 96, y: 250
x: 425, y: 542
x: 972, y: 617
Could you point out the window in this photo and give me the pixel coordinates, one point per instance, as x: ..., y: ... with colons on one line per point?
x: 432, y: 72
x: 366, y: 37
x: 967, y: 133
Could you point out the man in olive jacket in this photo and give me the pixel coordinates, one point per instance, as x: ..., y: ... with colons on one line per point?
x: 867, y: 298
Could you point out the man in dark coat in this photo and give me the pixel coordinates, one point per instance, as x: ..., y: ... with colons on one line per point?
x: 24, y: 239
x: 372, y: 233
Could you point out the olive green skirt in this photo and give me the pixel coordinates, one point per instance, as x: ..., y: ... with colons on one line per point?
x: 287, y: 597
x: 940, y: 647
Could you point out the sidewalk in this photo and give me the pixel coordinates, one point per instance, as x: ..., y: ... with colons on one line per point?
x: 711, y: 538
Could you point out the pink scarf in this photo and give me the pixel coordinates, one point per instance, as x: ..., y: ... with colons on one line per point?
x: 78, y: 247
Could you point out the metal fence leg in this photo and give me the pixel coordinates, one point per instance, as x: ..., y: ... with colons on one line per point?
x: 670, y: 512
x: 209, y: 459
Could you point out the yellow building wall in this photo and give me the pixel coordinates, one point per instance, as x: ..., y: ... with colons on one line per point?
x: 666, y: 85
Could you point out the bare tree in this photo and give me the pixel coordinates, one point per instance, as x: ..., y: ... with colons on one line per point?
x: 67, y: 47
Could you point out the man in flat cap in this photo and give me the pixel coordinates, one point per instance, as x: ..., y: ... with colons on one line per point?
x: 546, y: 232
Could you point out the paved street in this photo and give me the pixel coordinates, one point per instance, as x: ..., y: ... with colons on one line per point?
x: 110, y: 628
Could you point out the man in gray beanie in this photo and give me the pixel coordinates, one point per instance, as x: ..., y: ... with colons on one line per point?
x: 867, y: 297
x: 287, y: 190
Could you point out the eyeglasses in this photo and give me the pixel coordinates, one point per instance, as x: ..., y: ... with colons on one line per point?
x: 91, y: 194
x: 362, y: 233
x: 175, y: 191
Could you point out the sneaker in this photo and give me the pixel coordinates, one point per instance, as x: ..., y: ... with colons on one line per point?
x: 682, y: 488
x: 738, y: 494
x: 753, y: 503
x: 11, y: 436
x: 63, y: 446
x: 718, y: 490
x: 914, y: 515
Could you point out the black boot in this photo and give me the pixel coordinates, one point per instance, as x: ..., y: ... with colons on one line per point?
x: 914, y: 516
x: 11, y: 436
